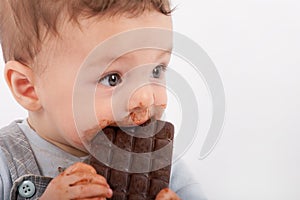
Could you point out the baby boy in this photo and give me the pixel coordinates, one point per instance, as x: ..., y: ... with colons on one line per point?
x: 44, y: 45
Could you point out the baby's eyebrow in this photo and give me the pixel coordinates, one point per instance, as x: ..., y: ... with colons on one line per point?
x: 163, y: 52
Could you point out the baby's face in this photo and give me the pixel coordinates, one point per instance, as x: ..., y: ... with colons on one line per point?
x: 127, y: 92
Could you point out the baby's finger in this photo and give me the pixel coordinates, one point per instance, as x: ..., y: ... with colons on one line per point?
x: 167, y: 194
x: 89, y: 191
x: 96, y: 198
x: 79, y: 167
x: 84, y: 178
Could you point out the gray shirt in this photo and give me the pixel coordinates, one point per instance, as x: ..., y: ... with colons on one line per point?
x: 49, y: 158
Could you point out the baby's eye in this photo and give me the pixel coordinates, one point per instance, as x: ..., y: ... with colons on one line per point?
x: 110, y: 80
x: 156, y: 72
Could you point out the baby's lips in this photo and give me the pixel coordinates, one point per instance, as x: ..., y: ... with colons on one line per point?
x: 140, y: 117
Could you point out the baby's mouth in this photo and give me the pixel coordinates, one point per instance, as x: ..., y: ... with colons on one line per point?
x: 144, y: 130
x: 139, y: 117
x: 136, y: 118
x: 133, y: 120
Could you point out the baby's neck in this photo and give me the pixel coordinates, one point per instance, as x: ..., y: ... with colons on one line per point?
x: 60, y: 144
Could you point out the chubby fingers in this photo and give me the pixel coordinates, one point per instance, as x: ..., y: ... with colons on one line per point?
x: 167, y: 194
x: 79, y: 167
x: 85, y: 178
x: 89, y: 191
x: 83, y: 182
x: 96, y: 198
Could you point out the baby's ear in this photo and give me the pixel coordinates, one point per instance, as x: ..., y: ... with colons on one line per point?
x: 20, y: 79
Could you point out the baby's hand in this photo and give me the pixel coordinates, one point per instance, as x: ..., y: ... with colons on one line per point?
x: 79, y: 181
x: 167, y: 194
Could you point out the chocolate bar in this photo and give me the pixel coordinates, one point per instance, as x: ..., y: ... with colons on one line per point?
x: 136, y: 161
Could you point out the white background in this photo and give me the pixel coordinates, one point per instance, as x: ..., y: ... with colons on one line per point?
x: 255, y: 45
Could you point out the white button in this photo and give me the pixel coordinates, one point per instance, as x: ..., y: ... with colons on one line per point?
x: 26, y: 189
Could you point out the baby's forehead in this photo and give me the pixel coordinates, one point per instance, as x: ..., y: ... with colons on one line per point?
x: 144, y: 45
x: 92, y: 46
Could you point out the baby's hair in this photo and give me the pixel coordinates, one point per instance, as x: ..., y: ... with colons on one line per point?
x: 24, y: 24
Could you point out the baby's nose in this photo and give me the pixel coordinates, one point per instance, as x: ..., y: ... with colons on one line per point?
x: 142, y: 98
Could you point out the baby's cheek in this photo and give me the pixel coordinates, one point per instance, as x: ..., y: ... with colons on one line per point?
x: 160, y: 95
x: 159, y: 110
x: 89, y: 134
x: 103, y: 111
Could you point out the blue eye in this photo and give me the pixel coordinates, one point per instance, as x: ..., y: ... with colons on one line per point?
x: 110, y: 80
x: 156, y: 72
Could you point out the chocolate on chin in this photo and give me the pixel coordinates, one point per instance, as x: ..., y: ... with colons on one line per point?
x: 135, y: 161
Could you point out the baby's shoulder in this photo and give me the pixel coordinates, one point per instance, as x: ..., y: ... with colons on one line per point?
x: 11, y: 137
x: 5, y: 180
x: 9, y: 131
